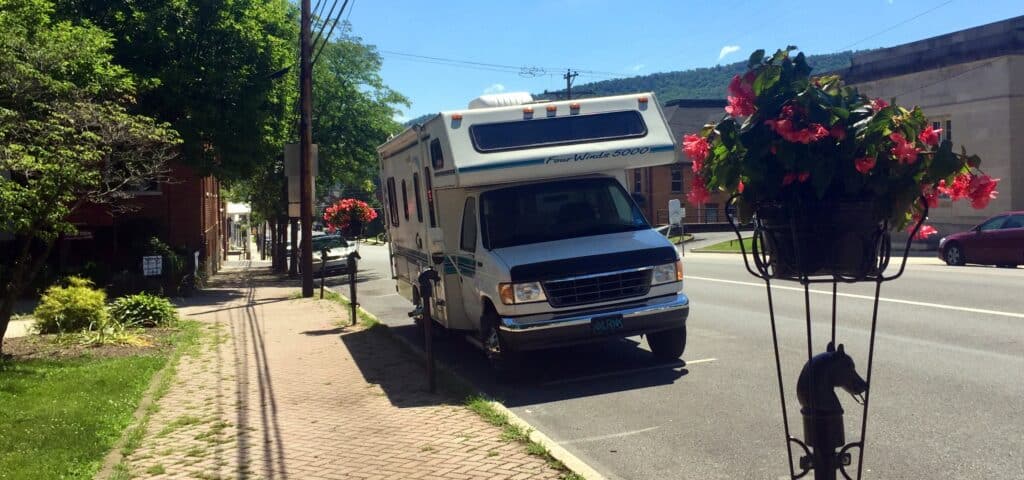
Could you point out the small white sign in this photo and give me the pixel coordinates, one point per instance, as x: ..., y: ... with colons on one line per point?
x: 676, y: 212
x: 152, y: 266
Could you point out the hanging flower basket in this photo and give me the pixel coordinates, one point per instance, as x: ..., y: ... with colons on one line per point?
x: 349, y: 216
x: 826, y: 171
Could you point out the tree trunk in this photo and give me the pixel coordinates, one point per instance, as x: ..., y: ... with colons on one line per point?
x: 6, y: 310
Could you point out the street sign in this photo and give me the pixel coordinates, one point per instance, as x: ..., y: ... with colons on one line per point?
x: 291, y: 160
x: 152, y: 266
x: 676, y: 212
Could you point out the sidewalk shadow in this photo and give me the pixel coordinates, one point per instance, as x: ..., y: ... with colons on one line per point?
x: 554, y: 374
x: 399, y: 374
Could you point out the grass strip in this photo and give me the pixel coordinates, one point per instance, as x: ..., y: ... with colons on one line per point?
x: 60, y: 418
x: 728, y: 246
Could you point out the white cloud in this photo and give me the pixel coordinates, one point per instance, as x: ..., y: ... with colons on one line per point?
x: 495, y: 88
x: 637, y: 67
x: 726, y: 50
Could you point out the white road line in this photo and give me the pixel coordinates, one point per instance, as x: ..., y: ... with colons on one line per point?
x: 624, y: 372
x: 866, y: 297
x: 609, y: 436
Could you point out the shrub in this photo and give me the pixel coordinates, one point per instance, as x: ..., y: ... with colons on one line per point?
x: 143, y: 310
x: 72, y: 308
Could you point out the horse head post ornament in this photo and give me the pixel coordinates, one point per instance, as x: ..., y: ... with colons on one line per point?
x: 821, y: 410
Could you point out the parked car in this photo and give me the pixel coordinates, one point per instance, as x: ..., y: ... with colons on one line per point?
x: 996, y: 241
x: 337, y: 250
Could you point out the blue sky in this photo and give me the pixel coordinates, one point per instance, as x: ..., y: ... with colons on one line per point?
x: 619, y: 38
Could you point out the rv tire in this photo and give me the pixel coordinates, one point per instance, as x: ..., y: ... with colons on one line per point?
x: 504, y: 361
x: 668, y: 345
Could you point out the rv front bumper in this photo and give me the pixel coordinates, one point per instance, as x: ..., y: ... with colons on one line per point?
x: 553, y: 330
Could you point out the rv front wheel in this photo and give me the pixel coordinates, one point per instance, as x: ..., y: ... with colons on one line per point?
x: 668, y: 345
x: 503, y: 360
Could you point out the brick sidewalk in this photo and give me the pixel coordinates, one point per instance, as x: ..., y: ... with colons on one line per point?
x: 278, y: 391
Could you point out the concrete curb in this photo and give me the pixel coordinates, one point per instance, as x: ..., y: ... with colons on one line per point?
x: 559, y: 453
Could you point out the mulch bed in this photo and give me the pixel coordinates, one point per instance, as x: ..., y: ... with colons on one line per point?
x: 45, y: 347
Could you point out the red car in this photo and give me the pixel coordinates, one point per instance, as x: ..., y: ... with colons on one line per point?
x: 996, y: 241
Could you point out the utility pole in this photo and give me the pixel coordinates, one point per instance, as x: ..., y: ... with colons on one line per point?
x: 305, y: 150
x: 569, y: 77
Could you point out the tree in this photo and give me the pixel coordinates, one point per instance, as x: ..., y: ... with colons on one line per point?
x: 67, y: 136
x: 210, y: 71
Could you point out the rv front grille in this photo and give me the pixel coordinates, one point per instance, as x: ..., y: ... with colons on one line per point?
x: 597, y: 288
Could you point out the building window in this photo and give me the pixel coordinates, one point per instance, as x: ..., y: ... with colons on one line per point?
x: 637, y: 183
x: 947, y: 129
x: 711, y: 213
x: 416, y: 192
x: 677, y: 180
x: 392, y: 202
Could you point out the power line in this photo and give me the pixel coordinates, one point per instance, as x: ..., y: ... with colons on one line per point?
x: 323, y: 24
x: 316, y: 8
x: 330, y: 32
x: 965, y: 72
x: 522, y: 69
x: 904, y: 22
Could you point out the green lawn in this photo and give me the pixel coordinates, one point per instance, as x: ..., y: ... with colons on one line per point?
x: 727, y: 246
x: 60, y: 418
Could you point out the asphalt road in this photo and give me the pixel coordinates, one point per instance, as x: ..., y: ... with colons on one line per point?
x: 948, y: 386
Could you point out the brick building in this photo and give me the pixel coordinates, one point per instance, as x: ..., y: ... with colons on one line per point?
x: 653, y: 187
x: 186, y: 213
x: 971, y: 84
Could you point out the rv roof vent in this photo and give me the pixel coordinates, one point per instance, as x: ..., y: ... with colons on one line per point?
x: 501, y: 100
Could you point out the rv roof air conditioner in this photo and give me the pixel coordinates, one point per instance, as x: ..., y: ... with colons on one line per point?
x: 501, y: 100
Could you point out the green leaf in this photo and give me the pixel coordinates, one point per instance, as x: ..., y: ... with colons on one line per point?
x: 755, y: 58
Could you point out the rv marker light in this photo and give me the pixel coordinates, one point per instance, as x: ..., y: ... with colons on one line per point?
x: 528, y: 113
x: 574, y: 108
x: 552, y: 110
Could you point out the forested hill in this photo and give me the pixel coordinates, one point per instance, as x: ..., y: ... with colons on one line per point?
x: 708, y: 82
x: 698, y: 83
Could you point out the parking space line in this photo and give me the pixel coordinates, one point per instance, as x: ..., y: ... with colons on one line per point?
x: 625, y: 372
x: 609, y: 436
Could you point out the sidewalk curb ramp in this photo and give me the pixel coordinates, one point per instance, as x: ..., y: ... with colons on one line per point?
x: 559, y: 453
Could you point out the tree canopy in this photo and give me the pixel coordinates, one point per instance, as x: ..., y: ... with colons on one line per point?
x: 67, y: 134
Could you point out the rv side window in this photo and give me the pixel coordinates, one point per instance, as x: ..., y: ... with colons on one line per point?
x: 392, y: 201
x: 436, y: 155
x: 405, y: 200
x: 430, y: 196
x: 468, y: 243
x: 547, y: 132
x: 416, y: 192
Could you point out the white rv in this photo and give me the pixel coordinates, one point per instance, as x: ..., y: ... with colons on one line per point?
x: 521, y: 209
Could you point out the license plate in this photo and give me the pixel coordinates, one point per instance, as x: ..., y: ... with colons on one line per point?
x: 606, y: 325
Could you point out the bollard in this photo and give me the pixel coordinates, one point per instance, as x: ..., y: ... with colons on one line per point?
x: 352, y: 267
x: 323, y: 271
x: 426, y: 281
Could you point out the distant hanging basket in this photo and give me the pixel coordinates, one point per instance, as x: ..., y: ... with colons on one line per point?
x: 349, y: 216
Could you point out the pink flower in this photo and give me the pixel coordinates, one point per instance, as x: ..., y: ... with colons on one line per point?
x: 958, y: 189
x: 924, y: 232
x: 981, y: 190
x: 784, y: 127
x: 838, y: 132
x: 696, y: 148
x: 698, y: 193
x: 930, y: 136
x: 864, y: 164
x: 803, y: 176
x: 878, y: 104
x: 931, y: 196
x: 788, y: 179
x: 740, y: 187
x: 904, y: 152
x: 741, y: 96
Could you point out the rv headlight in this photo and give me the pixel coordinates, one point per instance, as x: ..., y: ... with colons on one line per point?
x: 942, y: 241
x: 513, y: 293
x: 667, y: 273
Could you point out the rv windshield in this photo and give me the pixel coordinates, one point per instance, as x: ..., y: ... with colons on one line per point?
x: 549, y: 211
